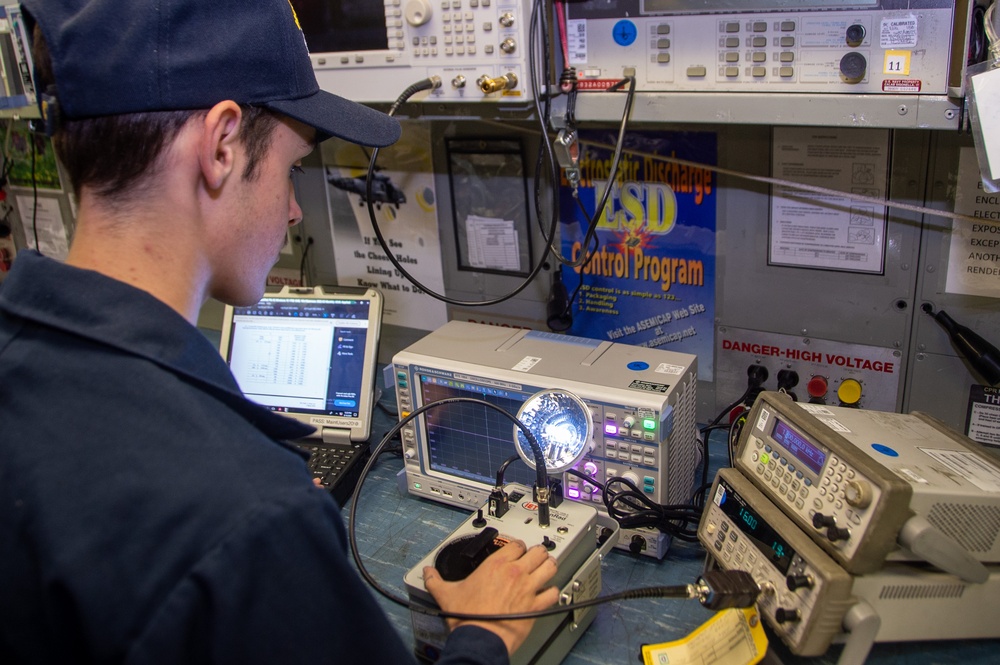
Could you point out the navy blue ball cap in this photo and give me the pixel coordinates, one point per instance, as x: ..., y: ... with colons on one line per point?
x: 111, y: 57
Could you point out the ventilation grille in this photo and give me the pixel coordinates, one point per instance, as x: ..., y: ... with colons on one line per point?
x: 681, y: 449
x: 973, y: 526
x: 921, y: 591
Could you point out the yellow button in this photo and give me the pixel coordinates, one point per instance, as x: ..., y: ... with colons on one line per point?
x: 849, y: 391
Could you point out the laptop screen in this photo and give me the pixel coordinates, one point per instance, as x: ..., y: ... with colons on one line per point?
x: 309, y: 354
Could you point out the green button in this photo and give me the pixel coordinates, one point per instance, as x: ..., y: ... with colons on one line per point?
x: 765, y: 458
x: 649, y: 424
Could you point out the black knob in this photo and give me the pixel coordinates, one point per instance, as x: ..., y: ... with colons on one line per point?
x: 637, y: 545
x: 782, y: 615
x: 855, y: 35
x: 820, y: 520
x: 548, y: 543
x: 479, y: 522
x: 799, y: 582
x: 836, y: 533
x: 853, y: 67
x: 456, y: 560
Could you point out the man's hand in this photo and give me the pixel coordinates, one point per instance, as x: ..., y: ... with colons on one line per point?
x: 510, y: 580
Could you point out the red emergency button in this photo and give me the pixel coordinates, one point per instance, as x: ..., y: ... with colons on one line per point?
x: 817, y: 386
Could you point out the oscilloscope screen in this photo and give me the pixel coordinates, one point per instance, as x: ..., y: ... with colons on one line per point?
x: 469, y: 440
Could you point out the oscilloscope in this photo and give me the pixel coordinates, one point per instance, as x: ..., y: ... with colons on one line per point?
x: 642, y: 402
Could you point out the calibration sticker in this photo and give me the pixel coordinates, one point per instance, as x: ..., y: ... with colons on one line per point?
x: 649, y: 386
x: 526, y: 364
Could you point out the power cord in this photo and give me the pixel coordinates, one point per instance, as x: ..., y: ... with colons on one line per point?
x: 632, y: 509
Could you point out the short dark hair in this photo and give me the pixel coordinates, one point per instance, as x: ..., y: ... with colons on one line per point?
x: 116, y: 155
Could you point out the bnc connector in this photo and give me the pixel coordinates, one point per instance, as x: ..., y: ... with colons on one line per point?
x: 489, y: 85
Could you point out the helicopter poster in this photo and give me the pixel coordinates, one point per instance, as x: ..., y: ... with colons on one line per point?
x: 646, y: 275
x: 403, y: 197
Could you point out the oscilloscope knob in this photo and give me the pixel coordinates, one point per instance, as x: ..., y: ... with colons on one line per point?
x: 417, y: 12
x: 631, y: 477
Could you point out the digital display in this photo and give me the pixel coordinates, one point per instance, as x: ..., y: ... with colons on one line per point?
x: 337, y: 26
x: 798, y: 446
x: 302, y: 356
x: 749, y: 521
x: 469, y: 440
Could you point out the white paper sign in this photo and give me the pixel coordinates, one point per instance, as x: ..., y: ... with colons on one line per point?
x: 974, y: 256
x: 823, y: 230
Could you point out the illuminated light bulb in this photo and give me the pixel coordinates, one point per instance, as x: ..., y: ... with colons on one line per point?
x: 563, y: 426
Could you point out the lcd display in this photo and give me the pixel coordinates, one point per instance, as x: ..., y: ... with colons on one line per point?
x: 798, y: 446
x: 333, y: 26
x: 468, y: 440
x: 749, y: 521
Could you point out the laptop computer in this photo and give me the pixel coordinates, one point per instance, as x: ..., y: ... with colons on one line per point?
x: 311, y: 353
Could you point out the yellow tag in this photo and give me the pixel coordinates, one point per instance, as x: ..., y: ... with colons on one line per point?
x: 731, y: 637
x: 897, y: 63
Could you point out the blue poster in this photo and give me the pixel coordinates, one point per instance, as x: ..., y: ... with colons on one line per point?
x: 650, y: 276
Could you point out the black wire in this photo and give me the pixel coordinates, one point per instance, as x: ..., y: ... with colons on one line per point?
x: 503, y: 468
x: 427, y: 84
x: 595, y: 218
x: 977, y: 38
x: 302, y: 263
x: 680, y: 520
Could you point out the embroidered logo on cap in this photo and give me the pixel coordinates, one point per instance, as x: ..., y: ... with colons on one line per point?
x: 295, y: 16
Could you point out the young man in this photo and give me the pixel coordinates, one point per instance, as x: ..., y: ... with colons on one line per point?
x: 148, y: 511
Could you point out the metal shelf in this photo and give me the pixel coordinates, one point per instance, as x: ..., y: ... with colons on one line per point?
x: 830, y: 110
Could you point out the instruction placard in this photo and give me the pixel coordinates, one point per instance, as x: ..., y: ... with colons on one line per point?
x: 829, y: 231
x: 974, y: 257
x: 982, y: 421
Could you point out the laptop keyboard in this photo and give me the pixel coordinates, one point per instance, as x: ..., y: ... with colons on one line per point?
x: 337, y: 467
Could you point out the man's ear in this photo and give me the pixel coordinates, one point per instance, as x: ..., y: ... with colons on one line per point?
x: 217, y: 150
